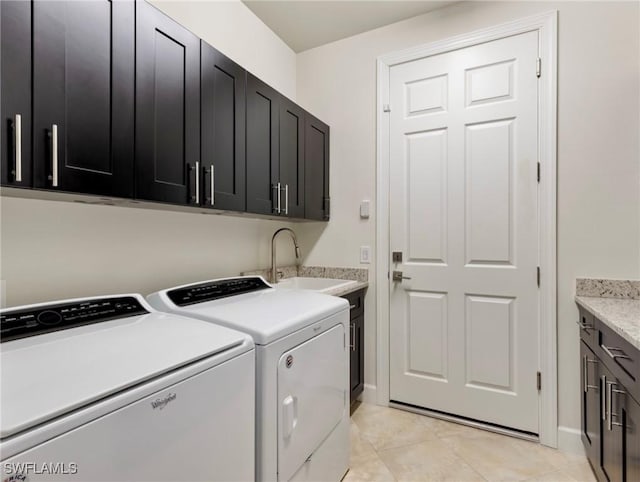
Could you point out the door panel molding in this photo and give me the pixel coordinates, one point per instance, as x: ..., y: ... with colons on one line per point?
x: 546, y: 26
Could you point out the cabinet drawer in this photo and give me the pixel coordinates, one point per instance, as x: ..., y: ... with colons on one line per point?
x: 588, y: 328
x: 622, y: 358
x: 356, y: 303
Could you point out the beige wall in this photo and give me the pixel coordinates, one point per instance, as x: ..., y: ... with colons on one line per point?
x: 598, y: 152
x: 52, y: 250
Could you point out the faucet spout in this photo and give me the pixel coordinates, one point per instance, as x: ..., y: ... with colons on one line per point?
x: 274, y: 272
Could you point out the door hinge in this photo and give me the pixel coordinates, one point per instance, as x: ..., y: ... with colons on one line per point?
x: 538, y: 67
x: 386, y: 108
x: 539, y: 381
x: 538, y: 172
x: 538, y: 275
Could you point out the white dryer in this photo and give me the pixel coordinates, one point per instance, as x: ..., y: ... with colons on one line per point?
x: 302, y: 363
x: 109, y: 389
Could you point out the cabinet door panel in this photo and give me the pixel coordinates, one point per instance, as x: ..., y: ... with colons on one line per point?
x: 223, y: 90
x: 167, y: 107
x: 612, y: 450
x: 357, y: 357
x: 632, y: 439
x: 83, y: 83
x: 15, y: 105
x: 262, y: 146
x: 292, y: 119
x: 590, y: 397
x: 316, y: 169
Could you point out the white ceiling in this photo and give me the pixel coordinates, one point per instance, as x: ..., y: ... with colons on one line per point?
x: 304, y: 24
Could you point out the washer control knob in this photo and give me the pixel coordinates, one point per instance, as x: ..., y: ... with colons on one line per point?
x: 49, y: 317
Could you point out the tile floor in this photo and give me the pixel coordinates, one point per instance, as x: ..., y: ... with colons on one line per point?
x: 394, y: 445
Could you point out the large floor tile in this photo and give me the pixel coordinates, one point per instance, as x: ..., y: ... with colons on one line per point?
x: 372, y: 469
x: 361, y: 449
x: 387, y: 428
x: 580, y: 472
x: 428, y: 461
x: 498, y: 457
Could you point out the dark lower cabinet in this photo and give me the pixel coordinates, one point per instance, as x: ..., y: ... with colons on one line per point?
x: 292, y: 158
x: 223, y: 93
x: 356, y: 342
x: 590, y: 395
x: 317, y: 201
x: 83, y: 96
x: 263, y: 109
x: 15, y: 101
x: 610, y: 410
x: 631, y: 442
x: 167, y: 145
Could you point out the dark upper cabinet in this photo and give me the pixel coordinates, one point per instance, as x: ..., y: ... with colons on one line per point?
x: 167, y: 83
x: 223, y: 94
x: 317, y: 203
x: 292, y: 120
x: 263, y: 108
x: 83, y: 96
x: 15, y: 84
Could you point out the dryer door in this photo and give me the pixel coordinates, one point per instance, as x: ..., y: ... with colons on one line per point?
x: 312, y: 391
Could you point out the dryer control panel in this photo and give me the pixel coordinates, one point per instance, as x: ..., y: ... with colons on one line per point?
x: 15, y: 324
x: 213, y: 290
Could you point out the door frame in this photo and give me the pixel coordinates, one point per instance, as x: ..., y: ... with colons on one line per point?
x: 546, y: 24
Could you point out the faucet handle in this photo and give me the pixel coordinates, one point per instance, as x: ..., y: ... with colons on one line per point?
x: 280, y: 274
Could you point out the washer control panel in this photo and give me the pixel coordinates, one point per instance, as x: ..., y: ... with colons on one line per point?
x: 214, y: 290
x: 15, y: 324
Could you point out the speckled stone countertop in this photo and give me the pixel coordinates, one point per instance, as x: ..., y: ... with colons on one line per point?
x: 359, y: 276
x: 614, y: 302
x: 350, y: 288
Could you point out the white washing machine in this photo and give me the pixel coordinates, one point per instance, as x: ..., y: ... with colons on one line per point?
x: 108, y: 389
x: 302, y: 363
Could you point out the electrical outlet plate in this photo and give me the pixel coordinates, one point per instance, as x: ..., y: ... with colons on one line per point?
x: 365, y: 254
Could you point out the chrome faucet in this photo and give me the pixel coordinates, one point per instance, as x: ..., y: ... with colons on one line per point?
x: 274, y: 272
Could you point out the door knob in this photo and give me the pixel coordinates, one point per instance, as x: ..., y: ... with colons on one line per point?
x: 397, y: 276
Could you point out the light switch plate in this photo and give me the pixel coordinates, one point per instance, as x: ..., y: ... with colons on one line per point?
x: 364, y: 209
x: 365, y: 254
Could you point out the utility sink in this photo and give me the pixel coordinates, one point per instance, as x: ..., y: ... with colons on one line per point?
x: 314, y: 284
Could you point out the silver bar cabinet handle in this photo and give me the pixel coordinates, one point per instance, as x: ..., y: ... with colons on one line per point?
x: 609, y: 349
x: 584, y: 326
x: 585, y: 373
x: 610, y: 392
x: 609, y: 403
x: 54, y: 155
x: 278, y: 189
x: 352, y: 345
x: 197, y: 182
x: 286, y: 199
x: 18, y: 144
x: 213, y: 189
x: 603, y: 398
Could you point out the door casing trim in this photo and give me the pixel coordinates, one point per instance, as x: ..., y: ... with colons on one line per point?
x: 546, y: 24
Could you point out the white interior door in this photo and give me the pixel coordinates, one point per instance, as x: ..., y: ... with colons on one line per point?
x: 464, y: 329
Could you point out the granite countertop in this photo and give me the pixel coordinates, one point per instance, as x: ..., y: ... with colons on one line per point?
x: 358, y: 276
x: 350, y: 288
x: 620, y: 314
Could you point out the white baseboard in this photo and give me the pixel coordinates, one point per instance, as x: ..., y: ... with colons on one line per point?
x: 570, y: 441
x: 369, y: 395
